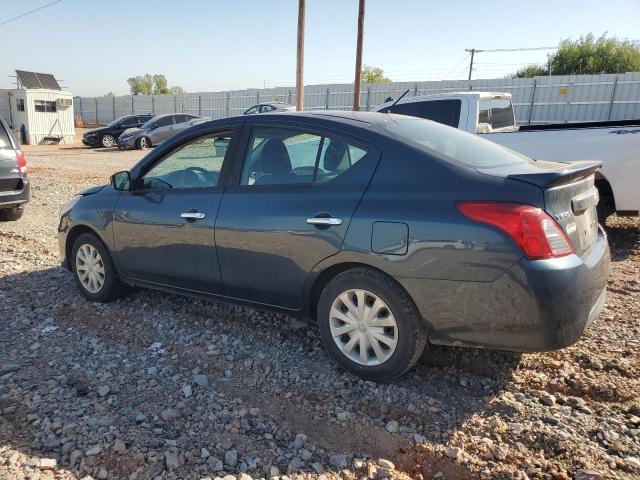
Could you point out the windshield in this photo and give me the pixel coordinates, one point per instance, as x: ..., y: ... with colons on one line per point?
x: 148, y: 123
x: 117, y: 121
x: 451, y: 144
x: 495, y: 114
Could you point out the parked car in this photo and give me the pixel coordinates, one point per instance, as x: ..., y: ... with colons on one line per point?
x: 157, y: 130
x: 107, y: 136
x: 388, y: 230
x: 14, y: 183
x: 615, y: 143
x: 270, y: 107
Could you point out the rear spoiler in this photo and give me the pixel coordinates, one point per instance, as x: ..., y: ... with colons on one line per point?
x: 567, y: 173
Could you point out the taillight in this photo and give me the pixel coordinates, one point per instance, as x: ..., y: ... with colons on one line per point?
x: 22, y: 162
x: 535, y: 232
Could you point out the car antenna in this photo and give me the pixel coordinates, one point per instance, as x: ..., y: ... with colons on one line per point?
x: 399, y: 98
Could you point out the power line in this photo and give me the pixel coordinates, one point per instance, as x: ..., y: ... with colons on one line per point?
x: 29, y: 12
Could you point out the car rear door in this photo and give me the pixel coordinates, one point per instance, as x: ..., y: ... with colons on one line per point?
x: 288, y: 207
x: 164, y: 228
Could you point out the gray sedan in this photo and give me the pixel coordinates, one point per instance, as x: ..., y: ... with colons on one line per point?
x: 157, y: 130
x: 389, y: 231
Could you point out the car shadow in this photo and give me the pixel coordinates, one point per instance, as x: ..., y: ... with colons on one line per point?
x: 624, y: 236
x: 277, y: 366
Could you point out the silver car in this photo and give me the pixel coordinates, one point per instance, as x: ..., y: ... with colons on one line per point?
x: 157, y: 130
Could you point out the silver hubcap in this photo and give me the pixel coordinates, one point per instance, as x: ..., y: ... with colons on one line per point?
x: 363, y: 327
x: 90, y: 268
x: 143, y: 142
x: 107, y: 141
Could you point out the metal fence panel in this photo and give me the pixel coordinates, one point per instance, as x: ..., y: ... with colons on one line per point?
x: 550, y: 99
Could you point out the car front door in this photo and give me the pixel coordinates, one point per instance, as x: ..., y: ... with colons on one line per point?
x: 164, y: 227
x: 288, y: 206
x: 163, y: 130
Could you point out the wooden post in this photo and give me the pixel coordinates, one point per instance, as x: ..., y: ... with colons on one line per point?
x: 357, y: 80
x: 300, y: 58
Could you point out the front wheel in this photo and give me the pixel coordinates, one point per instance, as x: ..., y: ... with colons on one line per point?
x: 11, y: 214
x: 143, y: 143
x: 370, y: 325
x: 93, y: 269
x: 108, y: 141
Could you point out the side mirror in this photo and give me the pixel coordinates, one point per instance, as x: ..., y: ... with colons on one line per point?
x: 121, y: 181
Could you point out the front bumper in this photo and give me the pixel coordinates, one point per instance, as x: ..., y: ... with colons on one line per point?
x: 127, y: 143
x: 90, y: 141
x: 13, y: 198
x: 538, y: 305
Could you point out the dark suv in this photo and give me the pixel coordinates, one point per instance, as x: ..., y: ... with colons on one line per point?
x: 14, y: 184
x: 107, y: 136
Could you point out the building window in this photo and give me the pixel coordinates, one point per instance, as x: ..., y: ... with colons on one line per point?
x: 20, y: 104
x: 45, y: 106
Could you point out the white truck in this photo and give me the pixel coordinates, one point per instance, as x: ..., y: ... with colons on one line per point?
x: 615, y: 143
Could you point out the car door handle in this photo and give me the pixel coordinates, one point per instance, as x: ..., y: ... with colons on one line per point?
x: 326, y: 221
x: 192, y: 215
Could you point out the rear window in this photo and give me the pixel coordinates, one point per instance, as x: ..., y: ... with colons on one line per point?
x: 446, y: 112
x: 495, y: 114
x: 451, y: 144
x: 5, y: 141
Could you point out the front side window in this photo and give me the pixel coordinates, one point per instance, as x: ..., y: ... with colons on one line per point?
x: 195, y: 165
x: 181, y: 118
x: 45, y: 106
x: 252, y: 110
x: 278, y: 156
x: 165, y: 121
x: 495, y: 114
x: 129, y: 122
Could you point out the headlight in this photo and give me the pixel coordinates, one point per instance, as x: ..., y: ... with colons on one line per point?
x: 67, y: 207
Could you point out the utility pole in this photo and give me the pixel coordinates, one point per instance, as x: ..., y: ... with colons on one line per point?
x: 358, y: 79
x: 472, y: 51
x: 300, y: 58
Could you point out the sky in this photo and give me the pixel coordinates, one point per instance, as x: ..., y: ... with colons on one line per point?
x: 214, y: 45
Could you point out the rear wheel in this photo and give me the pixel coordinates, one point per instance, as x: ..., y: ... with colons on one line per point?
x: 93, y: 269
x: 142, y: 143
x: 11, y: 214
x: 370, y: 325
x: 108, y: 141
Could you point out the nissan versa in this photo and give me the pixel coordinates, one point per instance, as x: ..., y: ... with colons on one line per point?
x: 388, y: 230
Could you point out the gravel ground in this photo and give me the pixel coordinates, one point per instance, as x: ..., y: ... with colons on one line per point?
x: 160, y: 386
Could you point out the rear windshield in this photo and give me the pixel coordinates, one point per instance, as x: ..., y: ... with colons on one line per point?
x: 495, y: 114
x: 451, y: 144
x: 446, y: 112
x: 5, y: 141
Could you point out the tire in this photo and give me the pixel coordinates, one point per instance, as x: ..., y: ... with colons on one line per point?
x: 11, y: 214
x: 112, y: 287
x: 409, y: 332
x: 107, y: 141
x: 143, y: 143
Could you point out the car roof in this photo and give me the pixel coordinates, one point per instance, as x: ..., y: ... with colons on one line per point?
x: 340, y: 116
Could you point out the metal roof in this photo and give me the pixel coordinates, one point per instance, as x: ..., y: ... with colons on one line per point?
x: 37, y: 80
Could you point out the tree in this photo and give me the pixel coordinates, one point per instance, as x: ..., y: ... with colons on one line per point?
x: 589, y: 55
x: 109, y: 94
x: 530, y: 71
x: 141, y: 85
x: 151, y: 84
x: 373, y: 75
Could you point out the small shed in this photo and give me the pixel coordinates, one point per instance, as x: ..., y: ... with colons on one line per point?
x: 41, y: 106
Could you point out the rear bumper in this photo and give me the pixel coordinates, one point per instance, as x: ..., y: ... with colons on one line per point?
x: 14, y: 198
x: 538, y: 305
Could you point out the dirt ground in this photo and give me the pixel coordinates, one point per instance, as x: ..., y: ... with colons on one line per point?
x: 160, y: 386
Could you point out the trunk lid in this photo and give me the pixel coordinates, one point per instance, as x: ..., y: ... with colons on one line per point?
x: 570, y: 195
